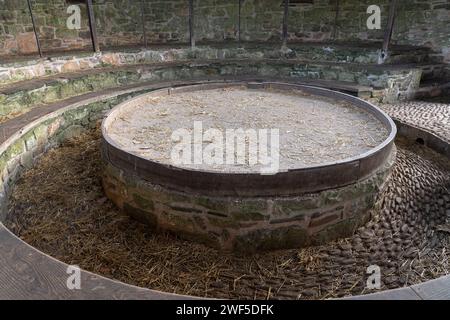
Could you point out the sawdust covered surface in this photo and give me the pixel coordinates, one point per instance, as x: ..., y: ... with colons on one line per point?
x: 312, y: 130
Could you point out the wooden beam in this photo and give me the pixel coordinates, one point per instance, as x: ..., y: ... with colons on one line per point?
x: 389, y: 27
x: 144, y: 31
x: 38, y: 43
x: 285, y: 21
x: 191, y: 23
x: 336, y: 19
x: 92, y: 26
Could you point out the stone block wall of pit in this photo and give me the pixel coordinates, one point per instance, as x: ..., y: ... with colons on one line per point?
x: 248, y: 224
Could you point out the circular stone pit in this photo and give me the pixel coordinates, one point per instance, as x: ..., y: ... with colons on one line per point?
x: 319, y: 194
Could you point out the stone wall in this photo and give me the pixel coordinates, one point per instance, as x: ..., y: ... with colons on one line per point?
x: 348, y: 57
x: 425, y: 23
x: 390, y: 84
x: 216, y: 20
x: 167, y: 21
x: 119, y: 22
x: 316, y: 22
x: 16, y: 29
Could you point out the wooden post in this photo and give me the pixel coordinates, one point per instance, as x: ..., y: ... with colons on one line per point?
x: 389, y: 28
x: 92, y: 26
x: 144, y: 31
x: 191, y: 23
x: 38, y: 43
x: 239, y: 22
x: 336, y: 19
x: 285, y: 22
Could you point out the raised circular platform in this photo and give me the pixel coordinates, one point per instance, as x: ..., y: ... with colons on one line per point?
x: 308, y: 201
x: 310, y: 130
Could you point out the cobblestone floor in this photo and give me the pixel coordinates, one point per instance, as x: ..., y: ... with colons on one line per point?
x: 432, y: 116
